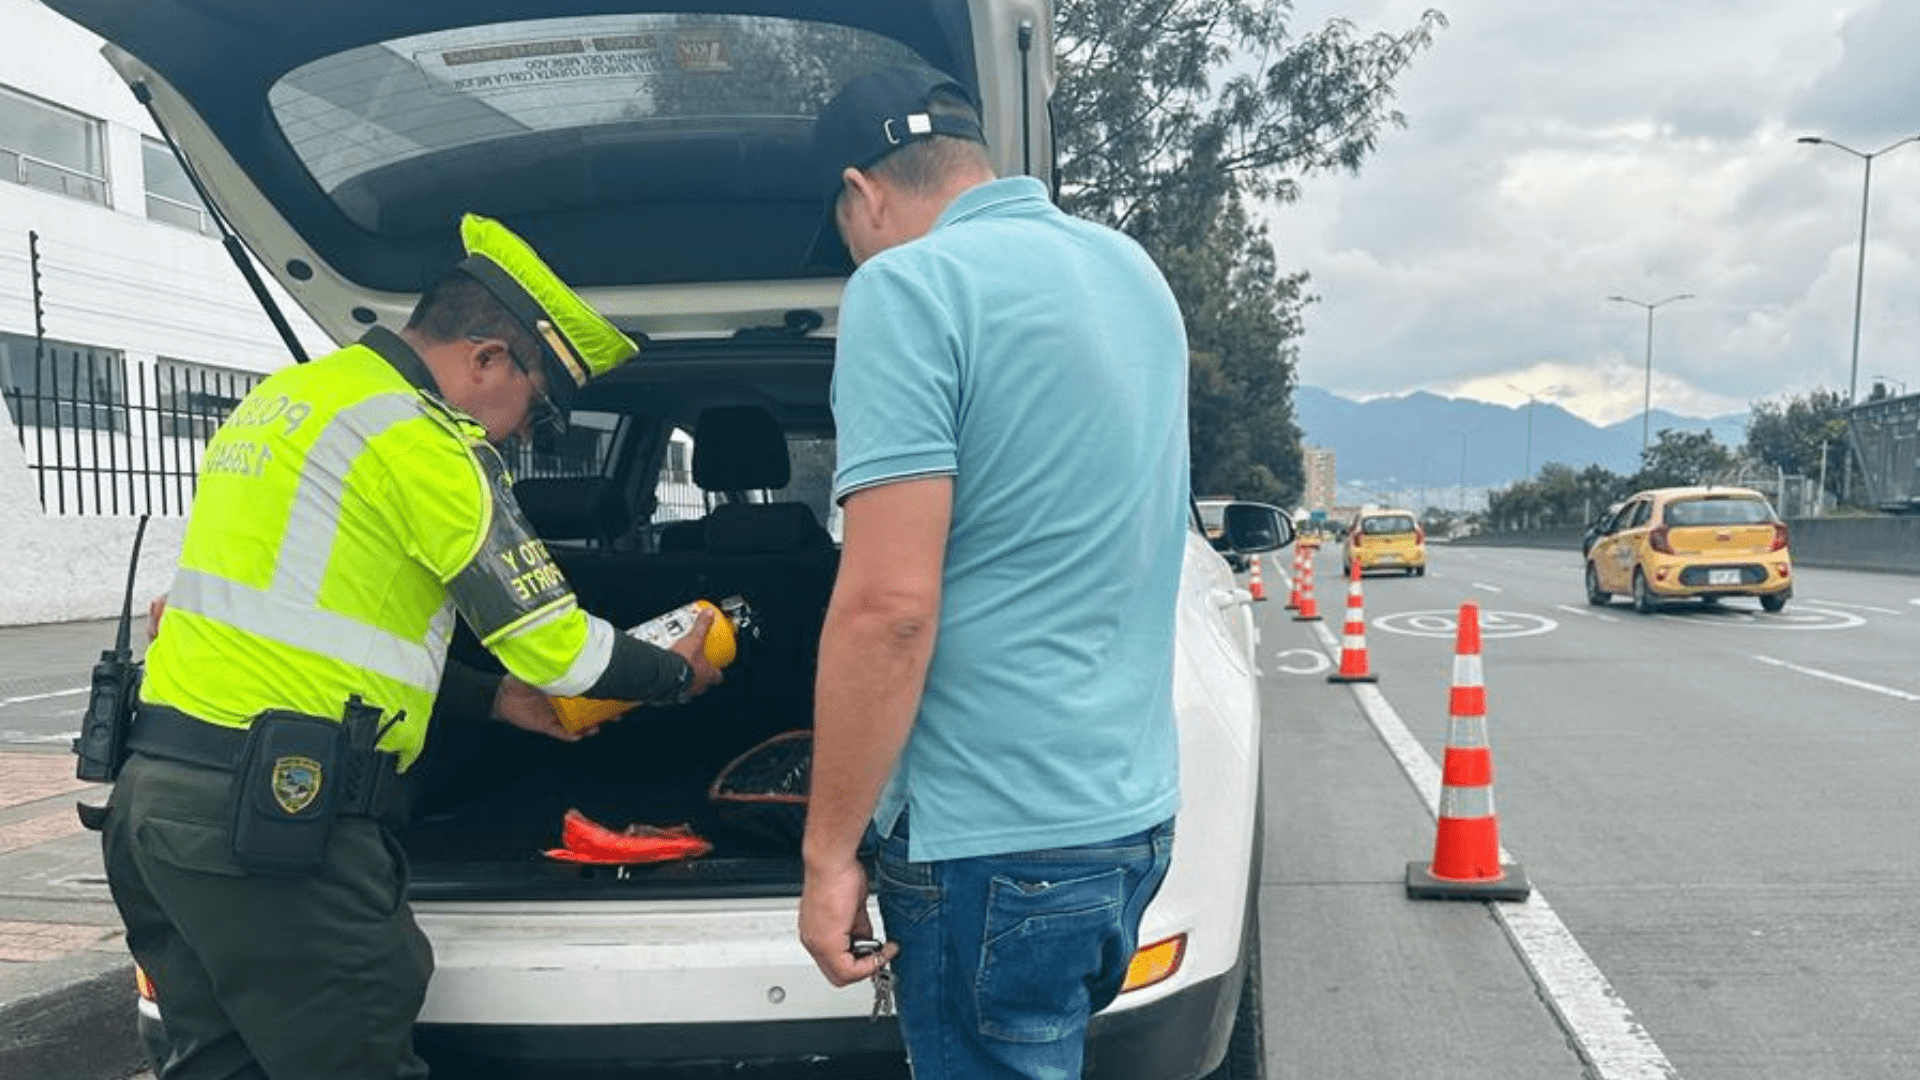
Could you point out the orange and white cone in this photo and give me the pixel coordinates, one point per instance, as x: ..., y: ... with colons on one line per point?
x: 1466, y: 851
x: 1309, y: 608
x: 1353, y: 637
x: 1255, y: 586
x: 1293, y: 590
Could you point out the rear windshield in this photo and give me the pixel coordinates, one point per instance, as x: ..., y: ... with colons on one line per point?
x: 703, y: 119
x: 1722, y: 511
x: 1386, y: 523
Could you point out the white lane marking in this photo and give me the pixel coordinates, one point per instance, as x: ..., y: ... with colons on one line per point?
x: 1855, y: 607
x: 1595, y: 1018
x: 1484, y: 587
x: 1571, y: 610
x: 1841, y: 679
x: 43, y: 697
x: 23, y: 738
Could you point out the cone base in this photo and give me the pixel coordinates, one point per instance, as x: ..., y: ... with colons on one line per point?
x: 1306, y: 618
x: 1337, y: 677
x: 1511, y: 885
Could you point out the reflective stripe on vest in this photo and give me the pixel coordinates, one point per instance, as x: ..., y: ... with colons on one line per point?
x: 315, y: 515
x: 287, y: 611
x: 589, y: 665
x: 276, y: 618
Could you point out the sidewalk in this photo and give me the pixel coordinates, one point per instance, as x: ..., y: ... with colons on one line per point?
x: 66, y: 983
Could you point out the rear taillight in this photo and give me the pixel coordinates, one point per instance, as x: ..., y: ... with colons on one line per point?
x: 1779, y: 536
x: 1657, y: 540
x: 1356, y: 539
x: 1419, y: 535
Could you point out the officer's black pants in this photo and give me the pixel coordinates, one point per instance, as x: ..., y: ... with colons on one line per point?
x: 289, y: 978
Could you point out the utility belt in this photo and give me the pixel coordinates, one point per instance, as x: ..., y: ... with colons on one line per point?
x: 293, y: 775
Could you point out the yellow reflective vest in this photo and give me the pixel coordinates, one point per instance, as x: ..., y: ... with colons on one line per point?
x: 344, y: 516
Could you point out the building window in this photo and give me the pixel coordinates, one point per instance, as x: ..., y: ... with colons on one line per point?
x: 170, y: 195
x: 47, y: 147
x: 72, y: 385
x: 193, y: 399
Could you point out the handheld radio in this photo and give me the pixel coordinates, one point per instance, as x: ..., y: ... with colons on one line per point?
x: 102, y: 742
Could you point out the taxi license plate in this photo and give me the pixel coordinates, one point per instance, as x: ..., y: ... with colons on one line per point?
x: 1388, y: 557
x: 1723, y: 577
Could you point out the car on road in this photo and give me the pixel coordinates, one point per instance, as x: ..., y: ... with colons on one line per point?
x: 1679, y: 543
x: 1596, y: 526
x: 657, y: 156
x: 1384, y: 540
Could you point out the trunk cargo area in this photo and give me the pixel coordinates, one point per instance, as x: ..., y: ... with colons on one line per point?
x: 487, y: 799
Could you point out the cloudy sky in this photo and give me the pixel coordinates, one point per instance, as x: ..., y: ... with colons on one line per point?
x: 1560, y: 152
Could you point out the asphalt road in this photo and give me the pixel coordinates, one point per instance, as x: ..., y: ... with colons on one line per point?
x: 1716, y: 804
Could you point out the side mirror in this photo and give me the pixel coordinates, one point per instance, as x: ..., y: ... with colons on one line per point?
x: 1255, y: 527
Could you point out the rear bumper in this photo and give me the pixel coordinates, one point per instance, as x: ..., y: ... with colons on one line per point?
x: 1756, y: 577
x: 1390, y: 560
x: 1178, y: 1037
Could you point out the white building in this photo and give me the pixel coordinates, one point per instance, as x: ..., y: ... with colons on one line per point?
x: 129, y: 267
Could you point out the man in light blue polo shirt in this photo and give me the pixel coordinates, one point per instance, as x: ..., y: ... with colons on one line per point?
x: 996, y: 670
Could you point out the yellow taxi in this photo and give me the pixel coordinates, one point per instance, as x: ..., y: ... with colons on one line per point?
x: 1384, y: 540
x: 1679, y: 543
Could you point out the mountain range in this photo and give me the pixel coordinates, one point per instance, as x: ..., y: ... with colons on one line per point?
x: 1390, y: 446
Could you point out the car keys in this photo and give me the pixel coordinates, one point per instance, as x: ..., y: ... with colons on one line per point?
x: 882, y: 979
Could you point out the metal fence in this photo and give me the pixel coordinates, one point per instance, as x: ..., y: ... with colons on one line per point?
x: 103, y: 437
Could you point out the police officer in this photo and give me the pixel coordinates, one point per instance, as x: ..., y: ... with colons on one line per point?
x: 347, y: 511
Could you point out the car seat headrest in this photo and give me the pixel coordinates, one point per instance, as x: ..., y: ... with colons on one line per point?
x: 739, y: 448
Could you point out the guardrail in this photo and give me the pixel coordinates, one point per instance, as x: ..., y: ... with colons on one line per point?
x: 1886, y: 544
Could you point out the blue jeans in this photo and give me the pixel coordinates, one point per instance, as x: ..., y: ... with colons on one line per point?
x: 1004, y: 958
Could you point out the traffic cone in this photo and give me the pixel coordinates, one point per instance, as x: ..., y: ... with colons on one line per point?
x: 1309, y: 608
x: 1254, y: 584
x: 1353, y: 637
x: 1466, y: 850
x: 1293, y: 589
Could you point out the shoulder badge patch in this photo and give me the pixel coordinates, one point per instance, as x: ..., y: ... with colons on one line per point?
x: 296, y: 782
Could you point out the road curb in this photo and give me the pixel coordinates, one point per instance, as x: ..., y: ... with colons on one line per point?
x: 81, y: 1031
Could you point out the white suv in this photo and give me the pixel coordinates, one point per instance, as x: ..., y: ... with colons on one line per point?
x: 657, y: 157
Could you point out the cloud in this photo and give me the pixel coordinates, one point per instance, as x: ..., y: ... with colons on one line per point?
x: 1871, y: 88
x: 1559, y: 154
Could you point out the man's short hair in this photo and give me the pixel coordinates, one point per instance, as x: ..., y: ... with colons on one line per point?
x: 457, y: 306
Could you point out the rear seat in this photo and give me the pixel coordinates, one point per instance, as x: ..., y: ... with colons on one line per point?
x: 775, y: 554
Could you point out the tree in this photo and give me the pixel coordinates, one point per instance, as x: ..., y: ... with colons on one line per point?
x: 1242, y: 319
x: 1169, y: 116
x: 1680, y: 458
x: 1558, y: 496
x: 1799, y: 435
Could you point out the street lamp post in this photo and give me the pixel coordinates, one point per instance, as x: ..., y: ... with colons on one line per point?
x: 1463, y: 467
x: 1860, y: 268
x: 1646, y: 412
x: 1532, y: 396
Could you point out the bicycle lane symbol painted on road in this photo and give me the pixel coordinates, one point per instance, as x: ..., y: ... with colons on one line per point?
x: 1801, y: 618
x: 1301, y: 662
x: 1444, y: 624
